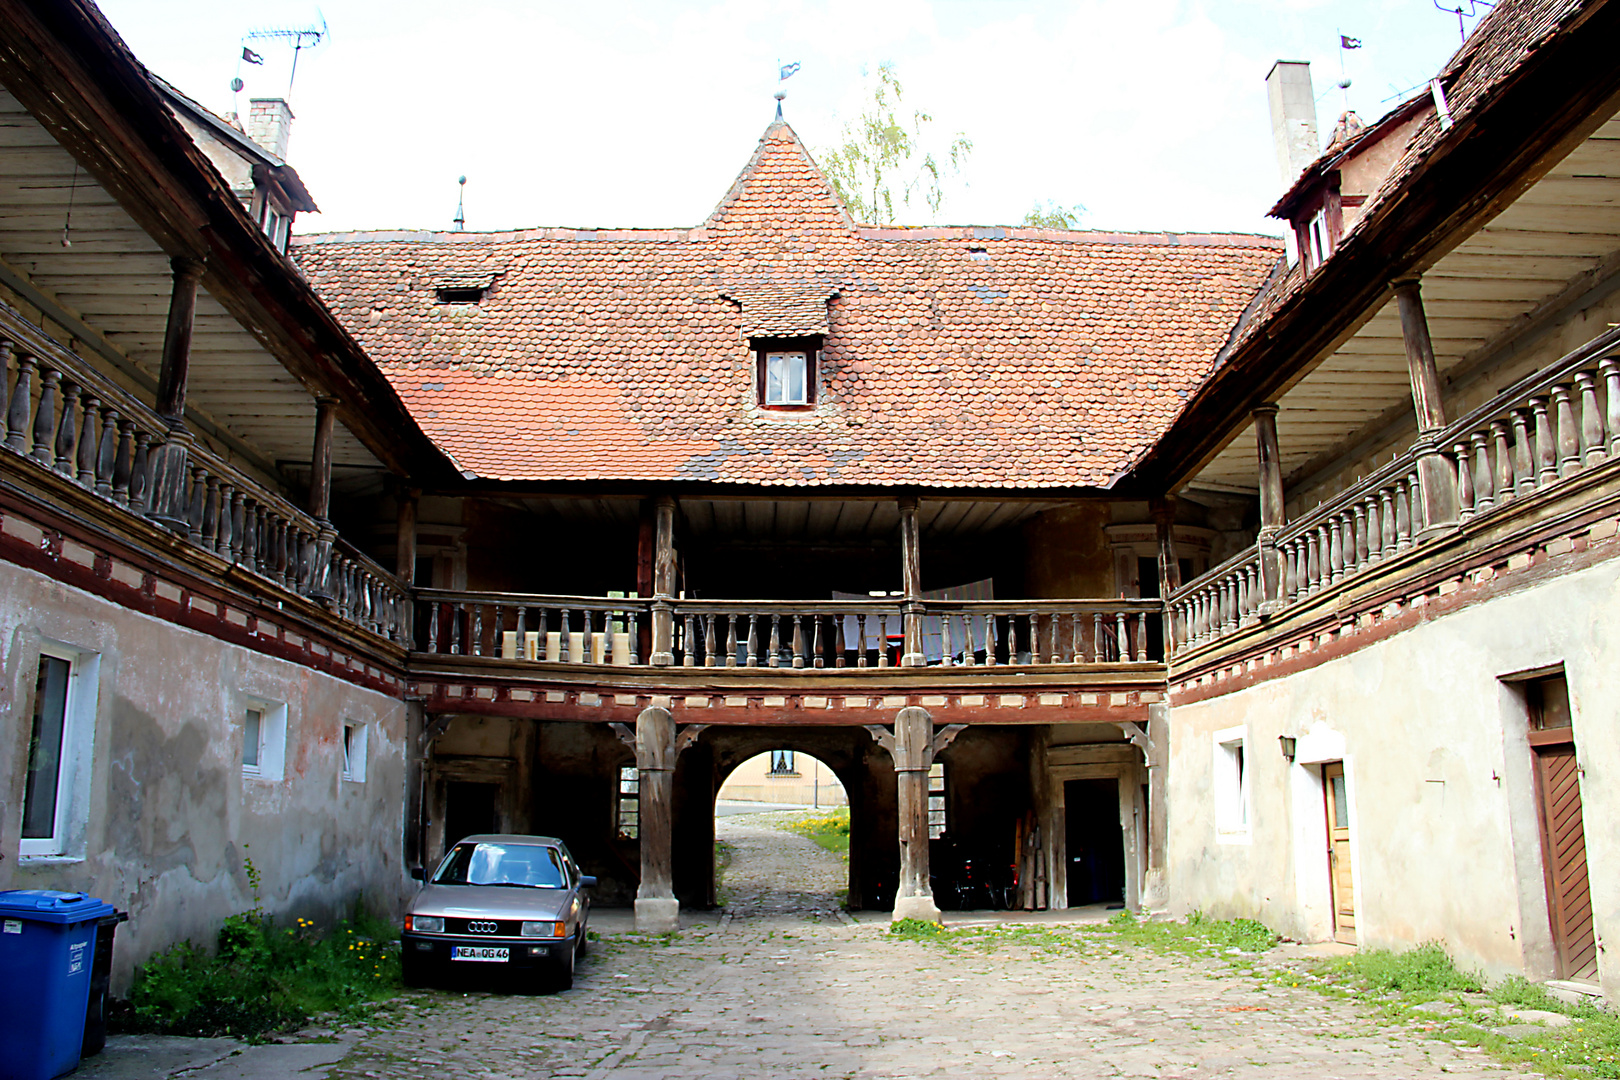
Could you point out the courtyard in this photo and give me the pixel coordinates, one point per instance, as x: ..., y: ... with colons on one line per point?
x: 781, y: 983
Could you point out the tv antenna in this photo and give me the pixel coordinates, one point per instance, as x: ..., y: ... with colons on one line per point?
x: 299, y: 37
x: 1466, y: 9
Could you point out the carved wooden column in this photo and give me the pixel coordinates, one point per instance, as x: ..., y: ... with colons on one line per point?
x: 1164, y: 525
x: 168, y: 493
x: 1437, y: 483
x: 320, y: 501
x: 657, y: 910
x: 405, y: 557
x: 913, y: 745
x: 663, y: 614
x: 911, y: 584
x: 1271, y: 506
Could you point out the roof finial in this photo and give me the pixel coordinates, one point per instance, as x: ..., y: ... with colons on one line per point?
x: 785, y: 72
x: 460, y: 221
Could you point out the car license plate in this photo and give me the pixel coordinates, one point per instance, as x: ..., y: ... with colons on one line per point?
x: 489, y: 954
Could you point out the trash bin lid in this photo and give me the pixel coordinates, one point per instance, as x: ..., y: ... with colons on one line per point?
x: 50, y: 906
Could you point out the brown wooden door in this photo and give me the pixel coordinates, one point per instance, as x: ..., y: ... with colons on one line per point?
x: 1563, y: 848
x: 1340, y: 877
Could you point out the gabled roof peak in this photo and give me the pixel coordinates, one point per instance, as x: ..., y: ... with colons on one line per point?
x: 781, y: 188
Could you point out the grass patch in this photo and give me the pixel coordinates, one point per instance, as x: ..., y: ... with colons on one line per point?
x: 1198, y: 935
x: 1423, y: 970
x: 263, y: 978
x: 918, y: 930
x: 831, y: 831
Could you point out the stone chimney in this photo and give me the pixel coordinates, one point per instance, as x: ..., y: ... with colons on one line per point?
x: 1293, y: 117
x: 270, y: 123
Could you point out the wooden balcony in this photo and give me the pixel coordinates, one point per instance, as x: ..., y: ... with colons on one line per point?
x: 785, y: 661
x: 1534, y: 475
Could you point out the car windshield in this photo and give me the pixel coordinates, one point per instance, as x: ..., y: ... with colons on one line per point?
x: 486, y: 863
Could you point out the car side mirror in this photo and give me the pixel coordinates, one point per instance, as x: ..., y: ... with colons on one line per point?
x: 587, y: 881
x: 418, y: 873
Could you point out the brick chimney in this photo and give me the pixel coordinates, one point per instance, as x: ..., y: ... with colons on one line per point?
x: 1293, y: 118
x: 270, y: 124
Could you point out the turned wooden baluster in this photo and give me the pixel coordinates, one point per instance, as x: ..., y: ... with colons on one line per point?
x: 1141, y: 638
x: 818, y: 645
x: 5, y: 367
x: 731, y: 640
x: 210, y: 524
x: 65, y: 439
x: 1335, y: 550
x: 86, y: 457
x: 124, y: 464
x: 1592, y: 449
x: 589, y: 641
x: 1479, y: 443
x: 1122, y: 639
x: 44, y: 448
x: 107, y: 453
x: 1609, y: 372
x: 1405, y: 522
x: 1524, y: 467
x: 194, y: 504
x: 1465, y: 482
x: 565, y: 627
x: 434, y: 607
x: 798, y: 640
x: 711, y: 657
x: 1546, y: 449
x: 140, y: 472
x: 1502, y: 479
x: 883, y: 639
x: 21, y: 407
x: 1033, y: 625
x: 774, y: 657
x: 989, y: 640
x: 1363, y: 551
x: 1569, y: 435
x: 753, y: 641
x: 839, y: 644
x: 945, y: 658
x: 456, y: 615
x: 635, y: 636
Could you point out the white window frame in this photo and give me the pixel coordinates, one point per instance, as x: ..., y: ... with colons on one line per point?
x: 806, y: 372
x: 355, y: 734
x: 272, y: 738
x: 937, y: 822
x: 66, y: 842
x: 1230, y: 783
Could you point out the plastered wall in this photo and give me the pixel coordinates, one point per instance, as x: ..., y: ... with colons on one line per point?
x: 1445, y: 837
x: 164, y: 817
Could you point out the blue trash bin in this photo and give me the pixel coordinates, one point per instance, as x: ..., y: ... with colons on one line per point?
x: 47, y: 950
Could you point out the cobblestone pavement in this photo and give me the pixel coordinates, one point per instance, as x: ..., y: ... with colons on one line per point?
x: 782, y: 989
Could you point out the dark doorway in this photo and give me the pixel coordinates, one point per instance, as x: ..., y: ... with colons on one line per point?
x: 1096, y: 842
x: 469, y: 808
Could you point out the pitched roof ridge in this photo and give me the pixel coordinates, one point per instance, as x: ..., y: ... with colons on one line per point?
x: 740, y: 186
x: 1160, y: 238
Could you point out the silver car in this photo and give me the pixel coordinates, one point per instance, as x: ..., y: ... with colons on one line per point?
x: 499, y: 902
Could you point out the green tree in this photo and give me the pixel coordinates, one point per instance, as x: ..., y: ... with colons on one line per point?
x: 884, y: 167
x: 1053, y: 216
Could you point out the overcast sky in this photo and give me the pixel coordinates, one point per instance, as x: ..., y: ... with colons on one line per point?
x: 1150, y: 114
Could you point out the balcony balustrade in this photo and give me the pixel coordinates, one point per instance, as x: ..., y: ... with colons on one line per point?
x: 63, y: 416
x: 528, y: 628
x: 1531, y: 438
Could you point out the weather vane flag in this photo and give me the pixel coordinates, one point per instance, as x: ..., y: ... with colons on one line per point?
x: 784, y: 73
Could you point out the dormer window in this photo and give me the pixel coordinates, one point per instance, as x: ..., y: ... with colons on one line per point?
x: 787, y: 372
x: 276, y: 226
x: 462, y: 290
x: 1318, y: 240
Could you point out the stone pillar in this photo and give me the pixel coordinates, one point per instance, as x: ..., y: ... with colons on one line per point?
x: 663, y: 613
x: 657, y: 910
x: 911, y: 585
x: 320, y: 501
x: 1271, y: 506
x: 1437, y: 480
x: 913, y: 754
x: 168, y: 496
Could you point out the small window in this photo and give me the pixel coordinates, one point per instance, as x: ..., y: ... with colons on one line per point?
x: 55, y: 787
x: 629, y: 803
x: 264, y: 738
x: 936, y: 800
x: 459, y: 294
x: 1231, y: 785
x: 782, y: 763
x: 354, y: 752
x: 1548, y: 699
x: 785, y: 378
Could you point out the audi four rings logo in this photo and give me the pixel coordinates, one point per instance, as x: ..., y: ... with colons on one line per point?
x: 481, y: 926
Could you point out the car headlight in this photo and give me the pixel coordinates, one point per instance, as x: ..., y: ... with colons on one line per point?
x: 544, y: 929
x: 425, y: 924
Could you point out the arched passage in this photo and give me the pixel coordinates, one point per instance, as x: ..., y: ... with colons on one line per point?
x: 764, y: 867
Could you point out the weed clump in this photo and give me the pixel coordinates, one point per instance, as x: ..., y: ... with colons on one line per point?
x: 831, y: 831
x: 1424, y: 970
x: 916, y: 929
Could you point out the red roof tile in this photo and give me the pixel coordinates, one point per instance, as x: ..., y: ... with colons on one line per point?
x: 954, y: 357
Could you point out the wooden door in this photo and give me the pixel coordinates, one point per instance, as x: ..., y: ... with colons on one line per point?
x: 1340, y: 878
x: 1563, y: 848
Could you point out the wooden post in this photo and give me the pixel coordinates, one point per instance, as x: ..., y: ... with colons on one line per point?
x: 912, y: 748
x: 663, y: 613
x: 167, y: 497
x: 911, y: 584
x: 1437, y: 483
x: 1271, y: 507
x: 320, y: 501
x: 657, y: 910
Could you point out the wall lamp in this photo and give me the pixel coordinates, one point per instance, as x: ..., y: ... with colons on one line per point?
x: 1287, y: 742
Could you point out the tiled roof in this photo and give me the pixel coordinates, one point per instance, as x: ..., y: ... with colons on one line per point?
x: 954, y: 357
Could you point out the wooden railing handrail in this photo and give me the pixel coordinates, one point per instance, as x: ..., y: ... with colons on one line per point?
x: 1215, y: 573
x: 548, y: 600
